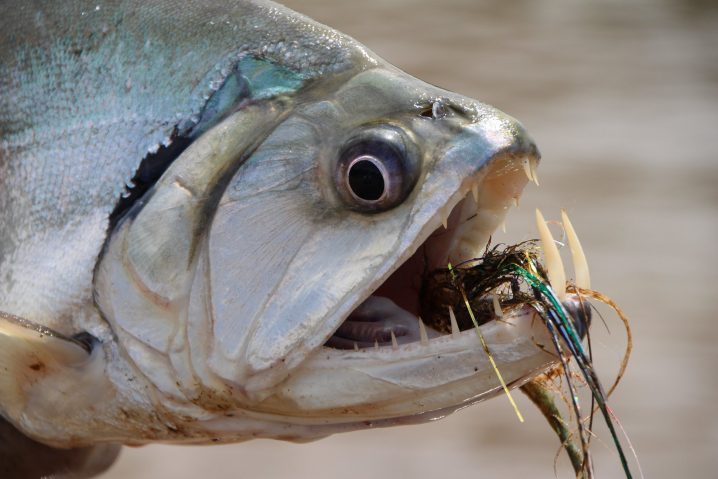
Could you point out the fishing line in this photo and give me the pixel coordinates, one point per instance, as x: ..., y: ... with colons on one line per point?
x: 570, y: 336
x: 517, y: 269
x: 486, y: 348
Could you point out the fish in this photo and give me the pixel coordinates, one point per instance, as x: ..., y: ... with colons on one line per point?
x: 216, y: 222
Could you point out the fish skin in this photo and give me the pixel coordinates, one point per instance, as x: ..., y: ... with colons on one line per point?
x: 84, y: 96
x: 86, y: 91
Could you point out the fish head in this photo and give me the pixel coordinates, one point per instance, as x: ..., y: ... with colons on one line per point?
x: 276, y: 270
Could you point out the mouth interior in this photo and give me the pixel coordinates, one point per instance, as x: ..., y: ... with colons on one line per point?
x: 390, y: 316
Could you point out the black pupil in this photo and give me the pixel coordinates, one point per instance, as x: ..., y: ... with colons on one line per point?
x: 366, y: 180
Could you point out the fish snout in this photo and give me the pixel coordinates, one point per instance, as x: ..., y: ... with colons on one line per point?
x: 488, y: 134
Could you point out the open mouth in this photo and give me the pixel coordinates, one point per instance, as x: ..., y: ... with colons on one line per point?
x: 398, y: 358
x: 400, y: 312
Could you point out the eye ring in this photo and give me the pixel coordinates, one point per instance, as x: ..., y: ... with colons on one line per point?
x: 376, y: 168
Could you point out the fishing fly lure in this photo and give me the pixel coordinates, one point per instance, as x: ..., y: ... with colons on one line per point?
x: 510, y: 277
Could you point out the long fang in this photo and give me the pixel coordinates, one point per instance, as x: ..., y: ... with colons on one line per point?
x: 554, y: 265
x: 422, y: 333
x: 455, y: 331
x: 497, y: 307
x: 580, y: 265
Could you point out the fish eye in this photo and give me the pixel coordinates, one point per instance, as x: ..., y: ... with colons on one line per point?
x: 375, y: 170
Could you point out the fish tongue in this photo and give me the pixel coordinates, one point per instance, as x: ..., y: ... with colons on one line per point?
x: 375, y: 320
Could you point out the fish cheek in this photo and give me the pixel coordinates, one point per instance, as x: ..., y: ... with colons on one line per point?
x: 266, y: 215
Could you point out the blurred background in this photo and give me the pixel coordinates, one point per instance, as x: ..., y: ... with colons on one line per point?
x: 622, y: 99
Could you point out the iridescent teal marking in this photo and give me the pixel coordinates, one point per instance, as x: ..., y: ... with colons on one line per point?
x: 267, y: 79
x: 250, y: 79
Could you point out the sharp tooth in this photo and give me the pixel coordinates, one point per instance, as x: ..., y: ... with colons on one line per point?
x: 394, y: 344
x: 376, y: 345
x: 503, y: 225
x: 475, y: 193
x: 454, y: 325
x: 356, y: 346
x: 422, y: 333
x: 516, y: 201
x: 554, y: 265
x: 580, y: 265
x: 526, y: 163
x: 497, y: 307
x: 532, y: 166
x: 445, y: 222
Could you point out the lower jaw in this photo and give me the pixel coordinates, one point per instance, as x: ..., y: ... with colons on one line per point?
x: 448, y: 371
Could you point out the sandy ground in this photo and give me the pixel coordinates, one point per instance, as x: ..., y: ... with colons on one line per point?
x: 623, y: 101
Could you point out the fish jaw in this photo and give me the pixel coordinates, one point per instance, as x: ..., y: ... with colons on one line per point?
x: 421, y: 378
x: 446, y: 373
x: 232, y: 307
x: 469, y: 182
